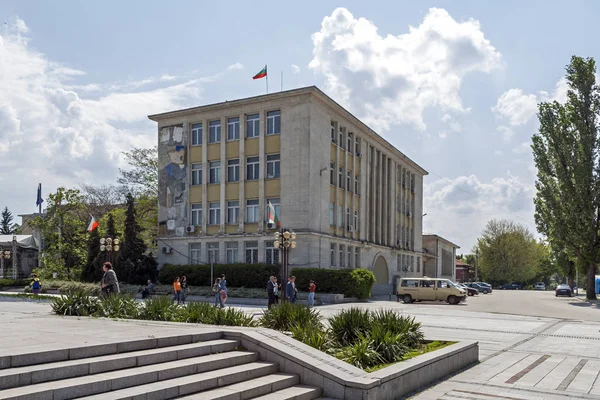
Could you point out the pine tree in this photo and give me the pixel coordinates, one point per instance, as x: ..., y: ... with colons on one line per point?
x: 6, y: 226
x: 91, y: 271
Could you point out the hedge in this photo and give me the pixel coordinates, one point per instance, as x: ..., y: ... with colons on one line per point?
x: 12, y: 282
x: 237, y: 275
x: 356, y: 282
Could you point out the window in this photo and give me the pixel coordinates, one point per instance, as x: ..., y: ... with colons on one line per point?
x: 356, y: 257
x: 349, y: 142
x: 251, y: 252
x: 342, y: 249
x: 197, y: 214
x: 409, y: 283
x: 231, y: 249
x: 357, y: 146
x: 348, y: 217
x: 425, y: 283
x: 332, y: 254
x: 356, y: 185
x: 252, y: 168
x: 341, y: 177
x: 195, y: 252
x: 356, y: 220
x: 252, y: 123
x: 418, y: 264
x: 398, y: 263
x: 276, y: 205
x: 213, y: 253
x: 332, y: 173
x: 214, y: 131
x: 196, y: 134
x: 332, y: 135
x: 196, y: 174
x: 214, y: 213
x: 273, y: 166
x: 233, y: 212
x: 348, y: 181
x: 340, y: 216
x: 273, y: 122
x: 341, y: 141
x: 443, y: 284
x: 271, y: 253
x: 233, y: 128
x: 233, y: 170
x: 349, y: 257
x: 331, y: 214
x: 215, y: 172
x: 252, y: 211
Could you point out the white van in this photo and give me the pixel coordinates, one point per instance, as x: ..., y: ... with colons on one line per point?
x: 429, y: 289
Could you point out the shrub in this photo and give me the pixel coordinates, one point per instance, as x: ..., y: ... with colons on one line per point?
x: 312, y: 337
x: 78, y: 303
x: 14, y: 282
x: 361, y: 354
x: 159, y: 308
x: 285, y: 316
x: 348, y: 326
x: 118, y: 307
x: 66, y: 286
x: 356, y: 282
x: 238, y: 275
x: 396, y: 323
x: 389, y: 345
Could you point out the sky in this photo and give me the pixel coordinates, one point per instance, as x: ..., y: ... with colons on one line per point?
x: 453, y: 84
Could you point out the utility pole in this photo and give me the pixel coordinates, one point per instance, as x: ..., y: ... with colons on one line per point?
x: 476, y: 264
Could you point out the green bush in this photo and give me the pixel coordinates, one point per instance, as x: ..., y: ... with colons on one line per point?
x: 286, y: 316
x: 238, y: 275
x: 78, y: 303
x: 118, y: 307
x: 14, y: 282
x: 361, y: 354
x: 313, y: 337
x: 205, y: 313
x: 350, y: 325
x: 159, y: 308
x: 66, y: 286
x: 356, y: 282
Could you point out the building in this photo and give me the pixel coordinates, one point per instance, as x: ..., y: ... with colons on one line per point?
x: 440, y: 256
x: 463, y: 271
x: 20, y: 255
x: 352, y: 198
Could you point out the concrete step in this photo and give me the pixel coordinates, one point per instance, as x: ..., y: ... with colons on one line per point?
x: 76, y: 353
x: 190, y: 384
x: 248, y: 389
x: 121, y: 379
x: 299, y: 392
x: 30, y: 375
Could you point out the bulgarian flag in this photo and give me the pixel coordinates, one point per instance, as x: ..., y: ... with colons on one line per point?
x: 93, y: 224
x: 272, y: 216
x: 261, y: 74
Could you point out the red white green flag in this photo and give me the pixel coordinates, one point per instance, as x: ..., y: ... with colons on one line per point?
x: 261, y: 74
x: 93, y: 224
x: 272, y: 216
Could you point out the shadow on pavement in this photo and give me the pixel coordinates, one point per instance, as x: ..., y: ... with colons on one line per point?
x: 585, y: 304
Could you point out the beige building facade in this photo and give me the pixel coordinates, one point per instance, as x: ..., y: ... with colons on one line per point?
x: 352, y: 198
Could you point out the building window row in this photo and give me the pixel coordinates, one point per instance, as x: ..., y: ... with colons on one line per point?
x: 351, y: 219
x: 344, y: 256
x: 344, y: 182
x: 233, y: 212
x: 232, y: 255
x: 233, y: 170
x: 346, y: 141
x: 273, y: 127
x: 405, y: 263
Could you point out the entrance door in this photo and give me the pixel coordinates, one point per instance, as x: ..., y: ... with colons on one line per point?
x: 380, y: 269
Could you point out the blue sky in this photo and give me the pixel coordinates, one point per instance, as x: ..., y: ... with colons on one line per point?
x: 456, y: 92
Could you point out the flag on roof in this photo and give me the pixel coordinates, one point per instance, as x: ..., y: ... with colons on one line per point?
x: 261, y: 74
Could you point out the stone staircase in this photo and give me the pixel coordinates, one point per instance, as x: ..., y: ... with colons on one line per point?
x: 203, y: 366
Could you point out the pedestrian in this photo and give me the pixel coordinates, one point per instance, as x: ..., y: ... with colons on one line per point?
x: 277, y: 291
x: 148, y: 289
x: 217, y: 291
x: 177, y: 290
x: 35, y: 285
x: 223, y: 289
x: 290, y: 289
x: 184, y: 289
x: 109, y: 283
x: 312, y: 288
x: 271, y: 291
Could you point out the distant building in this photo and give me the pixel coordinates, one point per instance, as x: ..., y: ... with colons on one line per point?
x: 440, y: 256
x: 462, y: 271
x: 23, y: 250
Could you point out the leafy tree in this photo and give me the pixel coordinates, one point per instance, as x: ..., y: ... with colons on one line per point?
x: 566, y: 153
x: 547, y: 266
x: 63, y: 230
x: 6, y: 225
x: 134, y: 266
x: 91, y: 272
x: 142, y: 178
x: 507, y: 252
x: 566, y: 266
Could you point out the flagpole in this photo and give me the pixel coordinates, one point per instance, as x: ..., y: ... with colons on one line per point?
x: 267, y: 80
x: 40, y: 205
x: 281, y: 81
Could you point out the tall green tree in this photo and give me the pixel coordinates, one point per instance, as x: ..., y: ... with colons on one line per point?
x: 6, y: 225
x: 90, y: 272
x: 507, y: 252
x: 566, y: 153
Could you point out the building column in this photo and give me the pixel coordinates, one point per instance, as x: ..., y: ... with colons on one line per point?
x: 393, y: 205
x: 205, y: 175
x: 261, y: 174
x: 379, y: 197
x: 372, y: 185
x: 15, y: 257
x: 223, y: 202
x: 242, y: 182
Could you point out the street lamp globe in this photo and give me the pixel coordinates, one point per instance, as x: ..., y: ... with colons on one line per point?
x: 286, y: 235
x: 102, y: 247
x: 276, y: 244
x: 116, y: 247
x: 293, y: 245
x: 116, y: 241
x: 102, y: 241
x: 293, y: 236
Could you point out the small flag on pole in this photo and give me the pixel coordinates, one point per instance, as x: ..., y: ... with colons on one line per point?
x: 93, y: 224
x: 272, y: 216
x: 261, y: 74
x: 39, y: 200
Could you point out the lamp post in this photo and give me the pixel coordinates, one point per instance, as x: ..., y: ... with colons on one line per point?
x: 4, y: 255
x: 109, y: 245
x: 285, y: 240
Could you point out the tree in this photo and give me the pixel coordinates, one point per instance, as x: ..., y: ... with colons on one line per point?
x: 6, y: 225
x: 566, y: 153
x: 90, y: 272
x: 134, y: 266
x: 507, y: 252
x: 142, y: 178
x: 547, y: 265
x: 63, y: 230
x: 566, y: 266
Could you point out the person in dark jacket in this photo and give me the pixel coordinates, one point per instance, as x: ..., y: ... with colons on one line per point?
x: 109, y: 282
x: 271, y: 290
x: 290, y: 289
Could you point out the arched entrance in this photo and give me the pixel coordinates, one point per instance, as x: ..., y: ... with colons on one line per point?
x: 380, y: 269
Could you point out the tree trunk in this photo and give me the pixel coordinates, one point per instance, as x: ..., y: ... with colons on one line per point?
x: 590, y: 289
x: 571, y: 281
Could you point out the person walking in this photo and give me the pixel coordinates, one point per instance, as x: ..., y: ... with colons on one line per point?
x: 290, y: 290
x: 223, y: 290
x: 312, y: 288
x: 277, y: 289
x: 177, y: 290
x: 35, y: 285
x: 184, y: 289
x: 217, y: 291
x: 109, y: 283
x: 271, y: 290
x: 148, y: 289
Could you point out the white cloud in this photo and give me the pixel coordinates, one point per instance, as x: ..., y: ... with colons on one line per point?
x: 459, y: 208
x: 52, y: 132
x: 394, y: 79
x: 523, y: 148
x: 507, y: 132
x: 295, y: 69
x: 235, y: 67
x: 516, y: 107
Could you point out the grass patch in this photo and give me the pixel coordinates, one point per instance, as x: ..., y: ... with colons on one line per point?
x: 425, y: 348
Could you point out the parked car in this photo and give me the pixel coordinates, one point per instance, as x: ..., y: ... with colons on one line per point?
x: 421, y: 289
x: 540, y: 286
x: 563, y: 290
x: 510, y: 286
x: 470, y: 291
x: 484, y: 284
x: 481, y: 288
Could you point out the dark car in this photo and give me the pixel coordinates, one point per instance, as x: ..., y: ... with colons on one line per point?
x: 470, y: 291
x: 481, y: 288
x: 511, y: 286
x: 563, y: 290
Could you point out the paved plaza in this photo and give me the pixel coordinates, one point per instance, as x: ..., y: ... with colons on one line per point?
x: 521, y: 356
